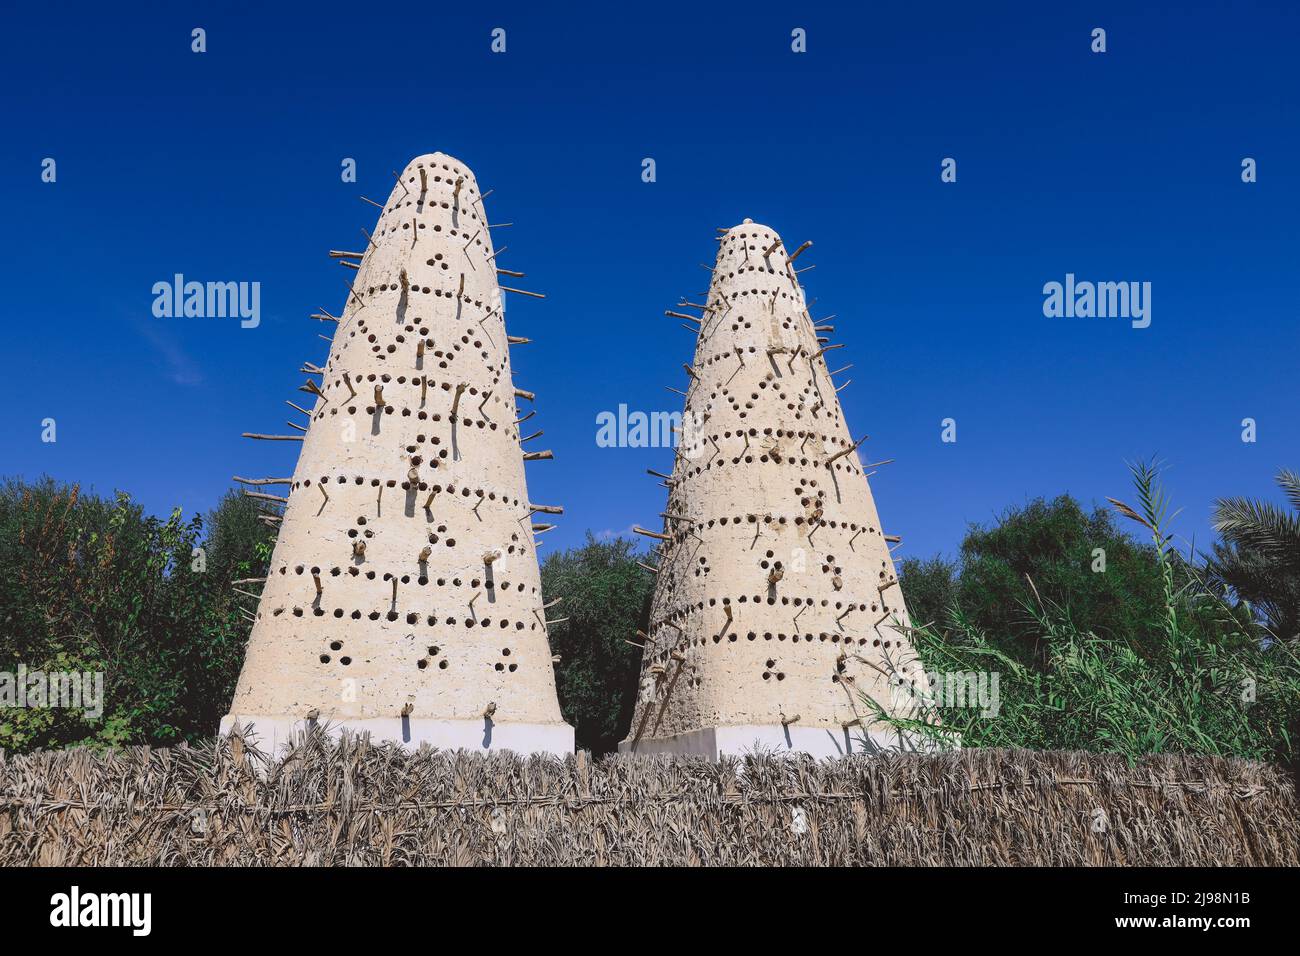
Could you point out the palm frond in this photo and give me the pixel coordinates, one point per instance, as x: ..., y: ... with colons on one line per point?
x: 1289, y: 482
x: 1258, y: 525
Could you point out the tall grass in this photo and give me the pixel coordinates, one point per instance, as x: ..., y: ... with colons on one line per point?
x: 1227, y: 691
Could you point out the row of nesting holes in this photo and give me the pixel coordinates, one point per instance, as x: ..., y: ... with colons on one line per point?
x: 389, y: 409
x: 744, y: 268
x: 383, y: 378
x: 766, y: 295
x: 465, y: 491
x: 824, y: 636
x: 753, y: 636
x: 828, y: 441
x: 683, y: 612
x: 425, y: 290
x: 452, y: 233
x: 411, y: 618
x: 422, y: 416
x: 420, y: 579
x: 798, y: 520
x: 405, y: 203
x: 765, y: 238
x: 726, y: 354
x: 718, y: 462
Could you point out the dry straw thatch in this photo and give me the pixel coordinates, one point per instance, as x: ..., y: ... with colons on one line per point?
x: 347, y: 802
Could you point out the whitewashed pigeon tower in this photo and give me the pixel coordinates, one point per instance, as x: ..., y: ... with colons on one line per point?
x: 776, y: 605
x: 403, y: 596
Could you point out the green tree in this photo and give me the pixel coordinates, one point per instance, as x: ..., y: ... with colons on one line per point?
x: 930, y: 587
x: 606, y: 600
x: 237, y: 547
x: 1110, y: 584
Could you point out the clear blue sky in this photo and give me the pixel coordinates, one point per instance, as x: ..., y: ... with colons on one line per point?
x: 225, y: 166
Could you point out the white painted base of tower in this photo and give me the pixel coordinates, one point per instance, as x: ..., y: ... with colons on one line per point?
x: 819, y: 742
x: 271, y: 734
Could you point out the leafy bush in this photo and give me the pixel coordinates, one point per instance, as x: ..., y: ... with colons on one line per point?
x: 1180, y: 670
x: 92, y: 584
x: 606, y: 600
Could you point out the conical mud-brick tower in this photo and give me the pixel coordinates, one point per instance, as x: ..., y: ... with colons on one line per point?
x: 777, y: 608
x: 403, y: 596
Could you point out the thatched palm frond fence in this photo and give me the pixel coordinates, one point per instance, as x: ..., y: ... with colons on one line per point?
x: 347, y: 802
